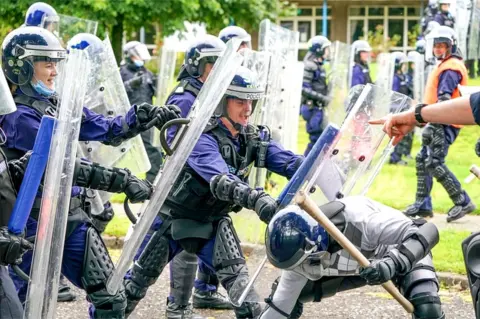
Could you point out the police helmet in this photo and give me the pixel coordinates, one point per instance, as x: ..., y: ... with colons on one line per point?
x: 358, y: 47
x: 292, y: 236
x: 244, y: 86
x: 42, y: 15
x: 138, y: 49
x: 233, y: 32
x: 432, y: 25
x: 83, y: 40
x: 201, y: 51
x: 443, y: 34
x: 23, y: 47
x: 399, y: 59
x: 318, y: 46
x: 420, y: 46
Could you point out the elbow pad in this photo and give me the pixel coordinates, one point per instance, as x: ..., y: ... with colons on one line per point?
x: 96, y: 176
x: 415, y: 247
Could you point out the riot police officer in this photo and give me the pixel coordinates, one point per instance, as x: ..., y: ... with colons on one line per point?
x: 315, y: 88
x: 361, y: 57
x: 442, y: 85
x: 223, y: 155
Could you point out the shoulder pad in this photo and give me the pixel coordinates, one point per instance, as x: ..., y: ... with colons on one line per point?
x: 310, y: 66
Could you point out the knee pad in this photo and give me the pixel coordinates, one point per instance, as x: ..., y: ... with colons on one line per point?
x: 227, y: 254
x: 427, y: 306
x: 146, y: 269
x: 97, y: 268
x: 420, y: 286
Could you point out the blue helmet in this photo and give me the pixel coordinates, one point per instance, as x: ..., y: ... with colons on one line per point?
x: 400, y: 59
x: 233, y: 32
x: 420, y: 46
x: 244, y: 86
x: 292, y: 235
x: 318, y: 45
x: 202, y: 51
x: 83, y: 40
x: 41, y: 15
x: 22, y: 47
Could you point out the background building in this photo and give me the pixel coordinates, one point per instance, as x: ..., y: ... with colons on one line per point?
x: 388, y: 25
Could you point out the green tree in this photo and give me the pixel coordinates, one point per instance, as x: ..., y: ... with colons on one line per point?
x: 119, y: 16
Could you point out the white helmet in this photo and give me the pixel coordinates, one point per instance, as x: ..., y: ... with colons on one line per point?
x: 135, y: 48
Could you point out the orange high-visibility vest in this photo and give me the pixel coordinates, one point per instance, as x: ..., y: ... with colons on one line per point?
x: 431, y: 88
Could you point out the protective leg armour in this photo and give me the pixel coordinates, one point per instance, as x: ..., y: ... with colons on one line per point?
x: 182, y: 272
x: 451, y: 184
x: 422, y: 188
x: 471, y: 254
x: 232, y: 272
x: 97, y: 269
x: 420, y: 286
x: 146, y: 270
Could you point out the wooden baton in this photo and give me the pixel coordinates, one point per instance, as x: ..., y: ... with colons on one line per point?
x: 308, y: 205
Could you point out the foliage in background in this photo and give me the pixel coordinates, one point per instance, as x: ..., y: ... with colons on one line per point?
x: 376, y: 40
x: 413, y: 35
x: 119, y: 16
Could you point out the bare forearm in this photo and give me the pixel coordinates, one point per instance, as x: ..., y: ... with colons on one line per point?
x: 455, y: 111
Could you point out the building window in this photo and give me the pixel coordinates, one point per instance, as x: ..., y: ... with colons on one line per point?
x: 308, y: 22
x: 399, y: 25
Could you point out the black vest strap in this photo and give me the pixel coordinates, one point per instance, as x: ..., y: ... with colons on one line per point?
x: 42, y: 107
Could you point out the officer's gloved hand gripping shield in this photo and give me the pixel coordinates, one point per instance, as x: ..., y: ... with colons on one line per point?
x: 183, y: 144
x: 48, y: 253
x: 347, y: 164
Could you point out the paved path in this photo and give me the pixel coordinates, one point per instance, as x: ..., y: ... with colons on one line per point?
x: 362, y: 303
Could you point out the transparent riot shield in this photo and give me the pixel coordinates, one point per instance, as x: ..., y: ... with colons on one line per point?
x: 338, y: 87
x: 48, y: 253
x: 165, y: 81
x: 281, y: 105
x: 106, y: 95
x: 417, y: 63
x: 258, y: 63
x: 385, y: 72
x: 349, y: 164
x: 7, y: 105
x: 70, y: 26
x: 473, y: 40
x: 463, y: 15
x: 183, y: 143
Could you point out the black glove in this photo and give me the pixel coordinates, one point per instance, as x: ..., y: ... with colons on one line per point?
x: 136, y: 81
x: 379, y: 271
x: 17, y: 169
x: 147, y: 113
x: 100, y: 221
x: 266, y: 206
x: 12, y: 247
x: 477, y: 148
x: 138, y: 190
x: 230, y: 190
x: 427, y: 135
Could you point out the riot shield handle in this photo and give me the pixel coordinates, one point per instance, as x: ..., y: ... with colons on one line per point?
x: 20, y: 273
x: 309, y: 206
x: 163, y: 136
x: 128, y: 212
